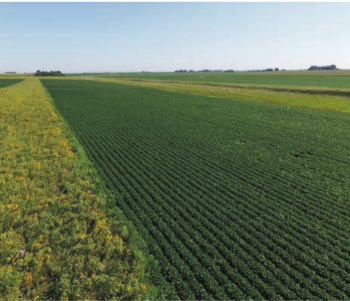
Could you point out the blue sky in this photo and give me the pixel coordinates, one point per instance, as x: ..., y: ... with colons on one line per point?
x: 94, y: 37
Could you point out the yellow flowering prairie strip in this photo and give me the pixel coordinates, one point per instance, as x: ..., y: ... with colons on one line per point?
x: 55, y: 241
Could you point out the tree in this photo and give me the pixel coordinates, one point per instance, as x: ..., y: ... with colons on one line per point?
x: 51, y: 73
x: 330, y: 67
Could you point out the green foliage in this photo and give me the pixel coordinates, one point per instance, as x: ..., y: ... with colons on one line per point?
x: 51, y: 73
x: 235, y: 200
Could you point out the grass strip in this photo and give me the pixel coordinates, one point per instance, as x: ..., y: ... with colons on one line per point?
x: 56, y: 241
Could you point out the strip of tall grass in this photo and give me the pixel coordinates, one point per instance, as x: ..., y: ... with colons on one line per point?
x: 56, y: 241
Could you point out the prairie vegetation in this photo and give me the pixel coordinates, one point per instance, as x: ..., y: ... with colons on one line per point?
x: 56, y: 240
x: 236, y: 200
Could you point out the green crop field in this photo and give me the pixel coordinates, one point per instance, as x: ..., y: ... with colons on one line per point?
x: 235, y: 200
x: 331, y: 79
x: 4, y: 82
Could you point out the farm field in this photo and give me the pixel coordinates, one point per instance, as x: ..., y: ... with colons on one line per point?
x: 235, y: 200
x: 329, y: 79
x: 5, y: 82
x: 316, y: 98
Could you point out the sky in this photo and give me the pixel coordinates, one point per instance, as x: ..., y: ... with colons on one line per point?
x: 133, y: 37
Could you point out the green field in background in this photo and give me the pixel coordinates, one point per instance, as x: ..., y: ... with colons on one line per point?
x: 4, y: 82
x: 331, y: 79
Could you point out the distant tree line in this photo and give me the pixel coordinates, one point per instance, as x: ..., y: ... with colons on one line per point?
x: 204, y: 70
x: 330, y: 67
x: 184, y: 70
x: 231, y: 70
x: 265, y: 70
x: 46, y: 73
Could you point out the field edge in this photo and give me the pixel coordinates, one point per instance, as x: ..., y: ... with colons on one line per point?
x: 109, y: 207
